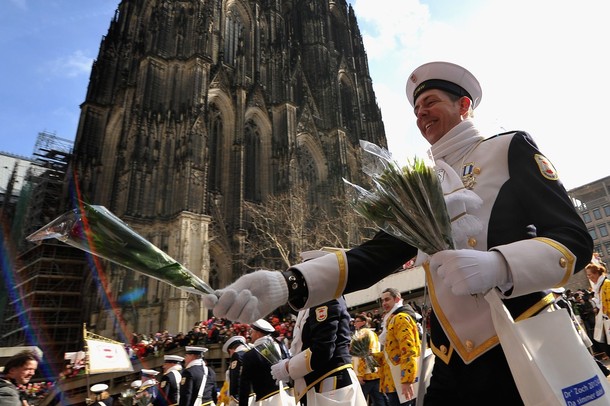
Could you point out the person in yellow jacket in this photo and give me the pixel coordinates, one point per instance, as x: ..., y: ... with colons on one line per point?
x: 223, y: 394
x: 401, y: 349
x: 367, y: 376
x: 600, y: 284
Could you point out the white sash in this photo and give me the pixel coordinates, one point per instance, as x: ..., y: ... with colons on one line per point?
x: 174, y: 375
x: 282, y: 398
x: 198, y: 401
x: 350, y: 395
x: 395, y: 372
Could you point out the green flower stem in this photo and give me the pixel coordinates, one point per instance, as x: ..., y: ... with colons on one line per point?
x: 96, y: 230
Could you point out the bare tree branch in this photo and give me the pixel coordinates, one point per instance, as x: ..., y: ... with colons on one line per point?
x: 287, y: 224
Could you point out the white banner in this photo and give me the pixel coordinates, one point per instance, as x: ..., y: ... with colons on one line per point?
x: 107, y: 357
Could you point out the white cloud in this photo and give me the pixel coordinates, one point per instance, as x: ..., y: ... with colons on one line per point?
x: 72, y: 65
x: 542, y: 66
x: 391, y: 25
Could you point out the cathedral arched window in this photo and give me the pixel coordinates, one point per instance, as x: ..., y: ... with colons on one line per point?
x: 215, y: 149
x: 252, y: 170
x: 348, y: 112
x: 309, y: 172
x: 232, y: 37
x: 214, y: 278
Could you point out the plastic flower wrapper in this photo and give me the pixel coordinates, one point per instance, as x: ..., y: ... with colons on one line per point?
x: 96, y: 230
x: 269, y: 349
x: 406, y: 202
x: 360, y: 347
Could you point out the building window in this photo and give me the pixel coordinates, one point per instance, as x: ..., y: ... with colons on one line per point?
x: 607, y: 210
x: 598, y: 248
x: 603, y: 231
x: 252, y: 141
x: 593, y: 233
x: 215, y: 149
x: 586, y: 217
x: 597, y: 214
x: 607, y: 245
x: 233, y: 33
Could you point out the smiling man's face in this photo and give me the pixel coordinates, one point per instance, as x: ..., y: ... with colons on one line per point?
x: 437, y: 113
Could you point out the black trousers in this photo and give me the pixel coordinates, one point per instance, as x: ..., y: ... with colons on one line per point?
x: 486, y: 381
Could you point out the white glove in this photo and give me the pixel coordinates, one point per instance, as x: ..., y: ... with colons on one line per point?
x: 279, y: 371
x: 250, y: 297
x: 468, y: 272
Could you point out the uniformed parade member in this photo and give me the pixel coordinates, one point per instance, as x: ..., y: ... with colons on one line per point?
x: 169, y: 385
x: 148, y: 392
x: 529, y: 239
x: 198, y: 384
x: 128, y: 396
x: 235, y: 347
x: 101, y: 397
x: 256, y: 369
x: 321, y: 364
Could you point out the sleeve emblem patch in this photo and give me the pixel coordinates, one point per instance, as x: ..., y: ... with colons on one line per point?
x: 546, y: 167
x: 183, y: 380
x: 321, y: 313
x: 234, y: 364
x: 163, y: 384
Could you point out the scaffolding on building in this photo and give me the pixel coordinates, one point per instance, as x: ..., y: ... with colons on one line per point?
x: 45, y: 295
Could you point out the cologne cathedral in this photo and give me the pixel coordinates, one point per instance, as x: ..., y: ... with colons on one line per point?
x: 195, y: 107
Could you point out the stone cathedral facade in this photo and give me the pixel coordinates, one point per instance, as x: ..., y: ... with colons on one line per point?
x: 197, y: 106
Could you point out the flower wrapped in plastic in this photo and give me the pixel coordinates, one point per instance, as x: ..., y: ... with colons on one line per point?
x: 360, y: 347
x: 98, y: 231
x: 406, y: 202
x: 269, y: 349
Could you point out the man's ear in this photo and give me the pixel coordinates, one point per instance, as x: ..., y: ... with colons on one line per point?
x: 465, y: 104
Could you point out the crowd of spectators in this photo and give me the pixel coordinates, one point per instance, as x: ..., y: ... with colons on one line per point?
x: 203, y: 333
x: 585, y: 308
x: 34, y: 392
x: 207, y: 332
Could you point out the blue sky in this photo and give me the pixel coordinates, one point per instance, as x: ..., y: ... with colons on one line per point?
x: 48, y: 47
x: 542, y: 65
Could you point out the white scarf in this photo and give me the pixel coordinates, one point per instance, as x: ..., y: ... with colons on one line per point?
x: 458, y: 142
x: 448, y: 152
x: 384, y: 325
x: 597, y: 291
x: 197, y: 361
x: 176, y: 367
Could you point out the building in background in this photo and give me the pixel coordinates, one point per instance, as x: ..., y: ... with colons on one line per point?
x: 195, y: 109
x: 13, y: 169
x: 42, y: 286
x: 593, y: 203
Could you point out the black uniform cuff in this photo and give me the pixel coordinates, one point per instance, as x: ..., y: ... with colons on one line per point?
x: 297, y: 288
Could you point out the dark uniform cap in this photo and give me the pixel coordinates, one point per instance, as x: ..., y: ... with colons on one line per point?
x: 263, y: 326
x: 445, y: 76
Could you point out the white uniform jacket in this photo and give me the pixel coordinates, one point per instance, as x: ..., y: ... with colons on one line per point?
x: 527, y: 216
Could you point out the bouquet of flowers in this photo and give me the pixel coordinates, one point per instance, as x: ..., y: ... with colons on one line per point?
x: 96, y: 230
x: 406, y: 202
x: 360, y: 347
